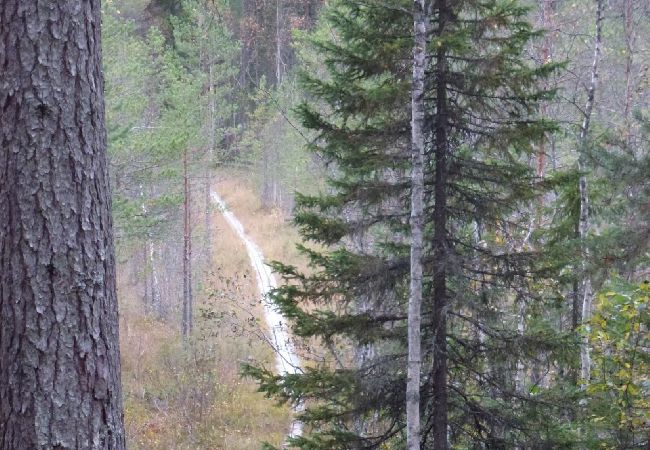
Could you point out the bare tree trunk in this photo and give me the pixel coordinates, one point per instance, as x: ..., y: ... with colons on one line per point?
x: 520, y: 374
x: 207, y: 232
x: 440, y: 406
x: 145, y: 274
x: 420, y: 20
x: 190, y: 295
x: 583, y: 227
x: 151, y: 296
x: 547, y: 12
x: 185, y: 326
x: 155, y: 289
x: 59, y: 347
x: 145, y: 258
x: 629, y: 59
x: 278, y: 44
x: 212, y: 117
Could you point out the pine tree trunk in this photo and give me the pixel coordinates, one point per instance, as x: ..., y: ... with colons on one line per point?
x: 212, y: 126
x: 190, y: 294
x: 420, y: 20
x: 583, y: 228
x: 146, y: 300
x: 59, y: 348
x: 440, y: 406
x: 155, y: 290
x: 145, y: 274
x: 185, y: 326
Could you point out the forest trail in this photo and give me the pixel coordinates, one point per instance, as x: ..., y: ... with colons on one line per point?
x: 286, y: 359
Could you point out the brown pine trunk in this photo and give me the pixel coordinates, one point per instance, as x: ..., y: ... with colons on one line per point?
x: 59, y: 348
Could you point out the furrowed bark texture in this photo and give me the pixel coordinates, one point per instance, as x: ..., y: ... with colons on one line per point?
x: 417, y: 226
x: 59, y: 347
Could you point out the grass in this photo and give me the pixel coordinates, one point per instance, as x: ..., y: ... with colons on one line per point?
x: 189, y: 395
x: 273, y: 232
x: 270, y: 230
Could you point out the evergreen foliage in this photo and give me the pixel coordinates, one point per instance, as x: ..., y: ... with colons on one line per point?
x: 503, y: 253
x: 482, y: 98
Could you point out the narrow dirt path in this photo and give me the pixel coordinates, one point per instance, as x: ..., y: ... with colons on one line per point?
x: 286, y: 359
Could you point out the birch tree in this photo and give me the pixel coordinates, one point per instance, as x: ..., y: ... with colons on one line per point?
x: 420, y: 19
x: 583, y: 226
x: 481, y: 98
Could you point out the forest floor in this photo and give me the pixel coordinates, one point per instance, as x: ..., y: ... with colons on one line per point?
x: 190, y: 396
x: 270, y: 229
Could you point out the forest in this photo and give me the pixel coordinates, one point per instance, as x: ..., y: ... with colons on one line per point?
x: 324, y: 225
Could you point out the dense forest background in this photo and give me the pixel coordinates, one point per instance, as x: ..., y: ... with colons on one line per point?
x: 300, y: 111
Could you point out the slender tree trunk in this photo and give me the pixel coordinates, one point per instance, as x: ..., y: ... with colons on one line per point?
x: 207, y: 237
x: 156, y: 301
x: 145, y: 268
x: 185, y: 326
x: 418, y: 131
x: 545, y: 53
x: 278, y: 44
x: 440, y: 407
x: 208, y: 167
x: 59, y: 347
x: 583, y: 227
x: 520, y: 374
x: 150, y: 277
x: 146, y: 300
x: 629, y: 59
x: 190, y: 294
x: 155, y: 289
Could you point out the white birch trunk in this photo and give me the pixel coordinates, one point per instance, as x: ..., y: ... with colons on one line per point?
x: 413, y: 431
x: 583, y: 225
x: 278, y: 44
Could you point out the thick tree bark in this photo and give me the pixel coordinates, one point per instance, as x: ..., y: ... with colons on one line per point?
x: 420, y: 20
x: 583, y: 224
x: 59, y: 347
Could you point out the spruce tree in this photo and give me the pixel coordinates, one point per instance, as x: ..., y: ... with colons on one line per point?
x: 480, y: 128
